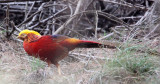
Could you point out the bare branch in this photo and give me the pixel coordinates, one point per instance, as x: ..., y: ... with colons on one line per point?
x: 69, y: 20
x: 7, y: 22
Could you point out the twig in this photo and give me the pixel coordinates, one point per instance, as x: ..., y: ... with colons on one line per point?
x: 116, y: 32
x: 96, y: 23
x: 132, y: 17
x: 14, y: 26
x: 70, y: 19
x: 26, y: 10
x: 7, y: 1
x: 108, y: 35
x: 34, y: 19
x: 53, y: 25
x: 30, y: 10
x: 126, y: 4
x: 31, y: 17
x: 87, y: 56
x: 13, y: 29
x: 106, y: 15
x: 71, y: 10
x: 76, y: 32
x: 7, y: 22
x: 147, y: 13
x: 157, y: 26
x: 115, y: 19
x: 45, y: 20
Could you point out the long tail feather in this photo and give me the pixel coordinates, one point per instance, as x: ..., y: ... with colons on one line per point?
x: 92, y: 44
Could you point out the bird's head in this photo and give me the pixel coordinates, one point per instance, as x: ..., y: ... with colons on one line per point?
x: 23, y: 34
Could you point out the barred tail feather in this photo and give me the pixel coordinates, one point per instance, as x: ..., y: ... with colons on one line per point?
x: 92, y: 44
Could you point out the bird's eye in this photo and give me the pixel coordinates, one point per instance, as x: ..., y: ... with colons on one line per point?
x: 24, y: 35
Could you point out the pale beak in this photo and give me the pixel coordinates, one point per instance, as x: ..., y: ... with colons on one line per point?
x: 18, y: 37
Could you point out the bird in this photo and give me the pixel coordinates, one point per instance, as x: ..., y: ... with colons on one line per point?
x: 53, y: 48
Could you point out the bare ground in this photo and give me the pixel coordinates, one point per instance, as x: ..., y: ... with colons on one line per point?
x: 16, y: 67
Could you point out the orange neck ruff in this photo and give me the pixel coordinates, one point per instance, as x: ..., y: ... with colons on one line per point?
x: 32, y: 37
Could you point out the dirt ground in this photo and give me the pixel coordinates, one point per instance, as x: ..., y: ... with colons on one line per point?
x: 16, y: 67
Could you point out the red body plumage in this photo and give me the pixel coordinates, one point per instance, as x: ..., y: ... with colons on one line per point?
x: 54, y: 48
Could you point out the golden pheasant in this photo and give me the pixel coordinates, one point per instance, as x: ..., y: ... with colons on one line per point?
x: 52, y: 48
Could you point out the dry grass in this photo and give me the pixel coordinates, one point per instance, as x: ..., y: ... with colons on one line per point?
x: 128, y: 66
x: 16, y: 67
x: 82, y: 66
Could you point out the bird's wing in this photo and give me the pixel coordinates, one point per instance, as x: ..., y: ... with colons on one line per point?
x: 59, y: 38
x: 55, y: 38
x: 65, y: 42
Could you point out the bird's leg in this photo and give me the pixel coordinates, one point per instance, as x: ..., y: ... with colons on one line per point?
x: 49, y: 63
x: 59, y: 69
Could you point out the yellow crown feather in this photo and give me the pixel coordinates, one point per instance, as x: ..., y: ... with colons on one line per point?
x: 29, y: 31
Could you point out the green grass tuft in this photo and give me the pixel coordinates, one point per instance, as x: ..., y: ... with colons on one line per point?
x: 129, y: 65
x: 136, y: 63
x: 36, y: 64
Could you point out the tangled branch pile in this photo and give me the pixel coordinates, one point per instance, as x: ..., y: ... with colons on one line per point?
x: 80, y: 18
